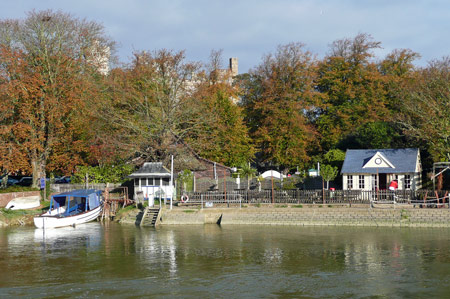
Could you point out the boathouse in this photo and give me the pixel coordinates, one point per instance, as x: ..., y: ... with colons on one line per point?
x: 153, y: 180
x: 372, y: 169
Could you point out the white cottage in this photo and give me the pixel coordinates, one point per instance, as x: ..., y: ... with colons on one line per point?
x: 153, y: 180
x: 374, y: 169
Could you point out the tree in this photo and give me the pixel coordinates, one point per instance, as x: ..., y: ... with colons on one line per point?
x: 335, y: 158
x: 278, y: 97
x: 426, y: 110
x: 222, y: 135
x: 102, y: 174
x: 186, y: 178
x: 379, y: 135
x: 328, y: 173
x: 149, y: 105
x: 353, y: 89
x: 46, y: 62
x: 247, y: 171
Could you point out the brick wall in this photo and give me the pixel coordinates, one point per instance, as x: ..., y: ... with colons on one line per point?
x: 7, y: 197
x: 312, y: 216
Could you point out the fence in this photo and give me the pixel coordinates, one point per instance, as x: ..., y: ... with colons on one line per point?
x: 421, y: 197
x: 70, y: 187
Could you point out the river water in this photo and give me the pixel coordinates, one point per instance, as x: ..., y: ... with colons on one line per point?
x: 95, y: 260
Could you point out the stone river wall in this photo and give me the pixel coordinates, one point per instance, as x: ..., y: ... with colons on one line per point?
x: 336, y: 216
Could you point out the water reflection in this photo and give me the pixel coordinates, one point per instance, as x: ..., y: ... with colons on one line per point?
x: 233, y: 261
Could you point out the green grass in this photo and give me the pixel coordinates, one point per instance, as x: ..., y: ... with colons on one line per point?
x: 281, y: 206
x: 45, y: 204
x: 258, y: 205
x: 10, y: 214
x: 404, y: 215
x: 12, y: 189
x: 126, y: 209
x: 189, y: 211
x: 297, y: 206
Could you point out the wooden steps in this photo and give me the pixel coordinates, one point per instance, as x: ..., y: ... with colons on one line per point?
x: 150, y: 217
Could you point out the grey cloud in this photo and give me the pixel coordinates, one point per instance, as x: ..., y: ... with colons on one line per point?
x: 250, y: 29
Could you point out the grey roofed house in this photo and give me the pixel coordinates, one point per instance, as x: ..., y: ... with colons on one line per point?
x: 151, y: 170
x: 369, y: 169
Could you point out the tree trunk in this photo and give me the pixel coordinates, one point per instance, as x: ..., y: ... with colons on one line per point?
x: 35, y: 168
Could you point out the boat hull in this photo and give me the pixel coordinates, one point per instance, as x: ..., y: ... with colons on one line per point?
x: 53, y: 221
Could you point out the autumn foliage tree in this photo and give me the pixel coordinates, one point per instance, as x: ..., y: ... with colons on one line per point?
x: 426, y: 108
x: 149, y: 108
x: 222, y: 135
x: 278, y: 97
x: 46, y: 62
x: 353, y: 89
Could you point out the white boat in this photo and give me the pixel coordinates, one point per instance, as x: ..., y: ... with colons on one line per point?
x: 71, y: 208
x: 23, y: 203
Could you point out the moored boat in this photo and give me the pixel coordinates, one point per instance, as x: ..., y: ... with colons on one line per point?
x: 71, y: 208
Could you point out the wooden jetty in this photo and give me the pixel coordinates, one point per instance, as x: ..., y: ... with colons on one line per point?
x: 113, y: 197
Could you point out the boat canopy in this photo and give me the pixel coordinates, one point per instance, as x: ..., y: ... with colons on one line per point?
x: 87, y: 199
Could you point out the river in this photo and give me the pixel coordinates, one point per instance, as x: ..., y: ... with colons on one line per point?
x: 96, y: 260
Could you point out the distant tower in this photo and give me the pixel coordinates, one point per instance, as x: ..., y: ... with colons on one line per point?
x: 234, y: 66
x: 100, y: 57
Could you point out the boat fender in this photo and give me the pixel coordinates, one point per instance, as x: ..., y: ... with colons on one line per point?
x: 184, y: 198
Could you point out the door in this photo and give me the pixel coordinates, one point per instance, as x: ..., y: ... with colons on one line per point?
x: 383, y: 181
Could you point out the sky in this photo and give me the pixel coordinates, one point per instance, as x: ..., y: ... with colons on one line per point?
x: 250, y: 29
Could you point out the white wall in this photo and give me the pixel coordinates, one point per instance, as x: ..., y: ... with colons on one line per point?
x: 415, y: 181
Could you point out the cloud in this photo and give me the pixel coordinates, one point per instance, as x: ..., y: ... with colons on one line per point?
x: 250, y: 29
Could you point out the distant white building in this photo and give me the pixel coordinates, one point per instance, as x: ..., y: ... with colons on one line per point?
x: 374, y: 169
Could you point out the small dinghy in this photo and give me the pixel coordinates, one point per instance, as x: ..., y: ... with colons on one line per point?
x: 23, y: 203
x: 71, y: 208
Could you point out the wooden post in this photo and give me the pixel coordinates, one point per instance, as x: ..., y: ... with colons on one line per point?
x: 225, y: 183
x: 323, y: 191
x: 378, y: 185
x: 273, y: 199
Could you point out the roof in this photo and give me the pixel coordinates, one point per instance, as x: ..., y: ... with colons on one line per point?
x: 79, y: 192
x: 397, y: 161
x: 151, y: 169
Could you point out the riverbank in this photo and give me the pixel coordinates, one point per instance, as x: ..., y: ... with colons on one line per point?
x: 278, y: 215
x: 18, y: 217
x: 302, y: 216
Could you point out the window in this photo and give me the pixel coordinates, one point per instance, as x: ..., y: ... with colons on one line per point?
x: 407, y: 181
x: 166, y: 181
x: 374, y: 182
x: 143, y: 182
x: 349, y: 182
x: 361, y: 182
x: 136, y: 182
x: 151, y: 181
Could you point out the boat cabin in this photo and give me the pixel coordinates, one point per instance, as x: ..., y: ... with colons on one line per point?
x: 75, y: 202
